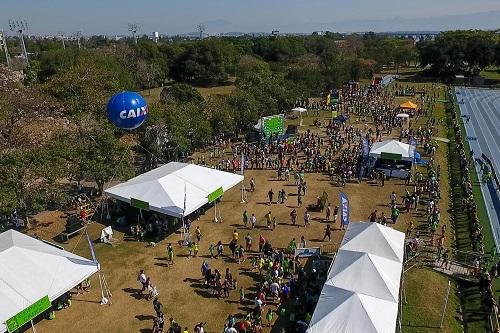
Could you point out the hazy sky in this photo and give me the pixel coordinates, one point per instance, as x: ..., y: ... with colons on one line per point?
x: 180, y: 16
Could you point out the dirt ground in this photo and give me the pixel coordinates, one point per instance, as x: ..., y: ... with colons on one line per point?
x: 182, y: 292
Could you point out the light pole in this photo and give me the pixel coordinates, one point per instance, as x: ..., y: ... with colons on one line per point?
x: 78, y: 35
x: 61, y: 34
x: 3, y: 45
x: 133, y: 28
x: 20, y: 27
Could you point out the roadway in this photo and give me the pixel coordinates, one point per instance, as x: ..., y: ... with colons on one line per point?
x: 480, y: 111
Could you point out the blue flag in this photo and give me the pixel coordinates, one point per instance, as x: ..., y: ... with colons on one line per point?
x: 366, y: 147
x: 344, y: 209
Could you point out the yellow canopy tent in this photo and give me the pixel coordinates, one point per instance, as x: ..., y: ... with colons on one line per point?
x: 408, y: 105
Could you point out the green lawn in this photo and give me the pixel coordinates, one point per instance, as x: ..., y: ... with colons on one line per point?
x: 491, y: 73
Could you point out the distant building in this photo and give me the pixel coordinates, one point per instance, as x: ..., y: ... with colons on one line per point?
x: 156, y: 36
x: 275, y: 33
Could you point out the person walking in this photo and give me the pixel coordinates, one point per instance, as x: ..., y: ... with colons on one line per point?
x: 303, y: 242
x: 327, y: 213
x: 170, y: 253
x: 270, y: 196
x: 248, y: 242
x: 253, y: 220
x: 198, y: 233
x: 335, y: 214
x: 142, y: 280
x: 252, y: 185
x: 307, y: 218
x: 328, y: 233
x: 245, y: 218
x: 293, y: 216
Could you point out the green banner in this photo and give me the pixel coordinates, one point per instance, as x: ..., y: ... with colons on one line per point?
x: 28, y: 314
x: 273, y: 125
x: 139, y: 204
x: 391, y: 156
x: 215, y: 195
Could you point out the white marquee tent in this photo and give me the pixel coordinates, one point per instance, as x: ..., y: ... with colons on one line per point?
x: 165, y: 188
x: 344, y: 311
x: 392, y: 147
x: 361, y: 293
x: 374, y: 238
x: 31, y: 269
x: 384, y: 274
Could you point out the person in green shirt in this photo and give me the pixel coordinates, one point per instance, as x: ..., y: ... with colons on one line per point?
x: 269, y: 316
x: 245, y: 218
x: 170, y: 253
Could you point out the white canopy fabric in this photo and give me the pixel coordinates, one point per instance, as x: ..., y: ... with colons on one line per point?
x: 31, y: 269
x: 343, y: 311
x: 393, y: 147
x: 299, y: 109
x: 374, y: 238
x: 381, y: 276
x: 165, y: 188
x: 402, y: 115
x: 361, y: 293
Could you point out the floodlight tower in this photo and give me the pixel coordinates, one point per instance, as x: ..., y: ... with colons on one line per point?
x: 133, y: 28
x: 3, y: 45
x: 78, y: 35
x: 20, y: 27
x: 61, y: 34
x: 201, y: 29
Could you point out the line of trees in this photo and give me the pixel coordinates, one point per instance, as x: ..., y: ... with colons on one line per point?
x: 459, y: 52
x: 54, y: 128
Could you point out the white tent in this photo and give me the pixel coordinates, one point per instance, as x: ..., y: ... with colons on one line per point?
x: 380, y: 276
x: 31, y: 269
x: 300, y: 111
x: 343, y: 311
x: 361, y: 293
x: 374, y: 238
x: 402, y: 115
x: 172, y: 185
x: 392, y: 147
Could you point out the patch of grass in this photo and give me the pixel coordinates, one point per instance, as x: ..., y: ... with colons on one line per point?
x: 153, y: 95
x: 491, y: 73
x: 422, y: 312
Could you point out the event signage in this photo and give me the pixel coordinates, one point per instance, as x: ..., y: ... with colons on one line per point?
x: 139, y: 204
x: 366, y: 147
x: 215, y: 195
x: 344, y: 209
x: 412, y: 148
x: 391, y: 156
x: 32, y: 311
x: 307, y: 252
x: 273, y: 125
x: 127, y: 110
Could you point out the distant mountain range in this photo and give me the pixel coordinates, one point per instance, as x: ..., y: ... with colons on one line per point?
x: 481, y: 20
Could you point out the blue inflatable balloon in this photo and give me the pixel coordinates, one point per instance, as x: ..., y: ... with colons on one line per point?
x: 127, y: 110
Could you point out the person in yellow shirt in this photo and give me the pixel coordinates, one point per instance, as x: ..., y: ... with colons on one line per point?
x: 185, y: 330
x: 235, y: 235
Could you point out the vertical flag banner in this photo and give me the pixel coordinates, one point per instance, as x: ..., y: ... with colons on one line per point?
x: 91, y: 247
x: 344, y: 209
x: 366, y: 147
x: 412, y: 148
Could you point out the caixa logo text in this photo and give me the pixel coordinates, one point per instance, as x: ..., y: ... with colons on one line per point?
x: 134, y: 113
